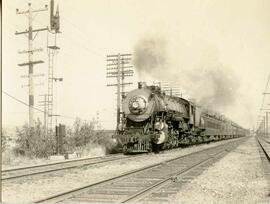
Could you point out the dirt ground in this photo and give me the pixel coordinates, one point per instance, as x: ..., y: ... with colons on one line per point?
x: 237, y: 178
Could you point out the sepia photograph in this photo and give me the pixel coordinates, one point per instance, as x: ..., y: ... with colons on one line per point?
x: 135, y: 101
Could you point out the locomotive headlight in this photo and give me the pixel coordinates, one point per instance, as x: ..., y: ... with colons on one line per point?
x: 138, y: 104
x: 135, y: 105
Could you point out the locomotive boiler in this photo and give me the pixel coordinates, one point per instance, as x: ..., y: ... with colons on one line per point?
x: 154, y: 121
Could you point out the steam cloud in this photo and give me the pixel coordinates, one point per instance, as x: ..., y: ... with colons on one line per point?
x: 209, y: 82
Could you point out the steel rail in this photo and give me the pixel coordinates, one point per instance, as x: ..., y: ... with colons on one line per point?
x: 71, y: 193
x: 263, y: 148
x: 58, y: 166
x: 53, y: 163
x: 166, y: 181
x: 15, y: 173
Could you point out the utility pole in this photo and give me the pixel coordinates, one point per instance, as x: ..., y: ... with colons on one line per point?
x: 119, y: 67
x: 265, y: 119
x: 266, y: 124
x: 52, y: 51
x: 29, y: 33
x: 44, y: 103
x: 98, y: 127
x: 261, y: 127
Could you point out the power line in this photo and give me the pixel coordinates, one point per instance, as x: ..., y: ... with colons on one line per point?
x: 26, y: 104
x: 22, y: 102
x: 84, y: 35
x: 86, y: 48
x: 79, y: 44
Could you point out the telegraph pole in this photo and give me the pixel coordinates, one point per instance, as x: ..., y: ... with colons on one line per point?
x: 119, y: 67
x: 30, y: 52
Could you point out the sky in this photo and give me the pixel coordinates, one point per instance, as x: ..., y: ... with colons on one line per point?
x: 218, y: 51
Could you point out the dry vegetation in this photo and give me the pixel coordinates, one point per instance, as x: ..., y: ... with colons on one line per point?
x: 33, y: 144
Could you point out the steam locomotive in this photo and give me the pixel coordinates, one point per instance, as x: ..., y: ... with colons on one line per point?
x: 154, y: 121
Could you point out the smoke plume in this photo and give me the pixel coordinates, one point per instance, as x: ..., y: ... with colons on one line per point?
x: 150, y: 56
x: 203, y: 77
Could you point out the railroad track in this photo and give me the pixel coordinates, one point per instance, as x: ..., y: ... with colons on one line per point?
x: 264, y: 144
x: 264, y: 150
x: 16, y: 173
x: 149, y: 184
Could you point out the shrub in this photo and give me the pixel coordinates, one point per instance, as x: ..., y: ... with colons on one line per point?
x: 83, y: 133
x: 4, y: 139
x: 33, y: 142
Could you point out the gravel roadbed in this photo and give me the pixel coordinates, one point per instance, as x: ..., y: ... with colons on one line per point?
x: 38, y: 187
x: 237, y: 178
x: 19, y: 162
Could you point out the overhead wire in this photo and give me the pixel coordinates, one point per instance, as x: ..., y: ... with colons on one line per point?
x: 26, y: 104
x: 20, y: 101
x: 68, y: 36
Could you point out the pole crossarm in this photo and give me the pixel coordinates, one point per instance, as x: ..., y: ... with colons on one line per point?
x: 124, y: 62
x: 28, y: 51
x: 54, y: 47
x: 27, y: 85
x: 31, y: 63
x: 123, y: 84
x: 118, y: 55
x: 115, y: 68
x: 27, y: 31
x: 126, y: 75
x: 33, y: 10
x: 115, y: 60
x: 124, y: 71
x: 34, y: 75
